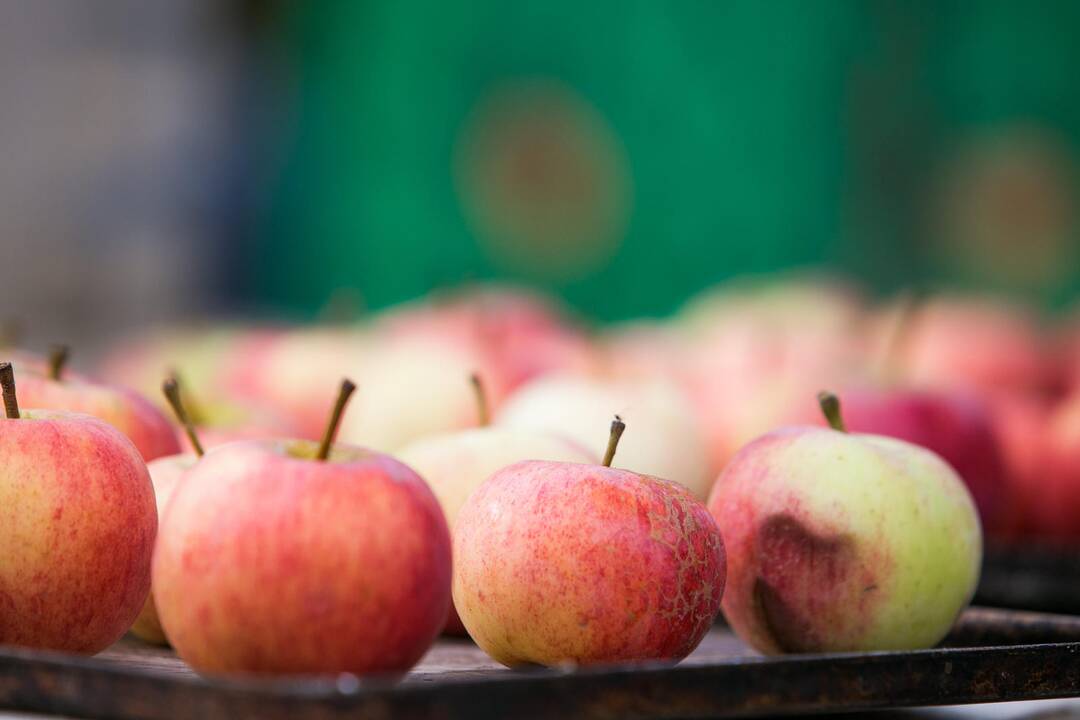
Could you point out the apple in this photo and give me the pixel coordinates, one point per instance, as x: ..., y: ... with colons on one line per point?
x: 844, y: 542
x: 295, y: 557
x: 1052, y: 496
x: 957, y: 426
x: 126, y: 410
x: 413, y: 387
x: 455, y: 464
x: 77, y: 524
x: 986, y: 346
x: 1022, y: 424
x: 667, y: 442
x: 282, y: 372
x: 559, y: 562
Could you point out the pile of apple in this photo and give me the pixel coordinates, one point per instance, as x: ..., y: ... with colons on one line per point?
x: 290, y: 525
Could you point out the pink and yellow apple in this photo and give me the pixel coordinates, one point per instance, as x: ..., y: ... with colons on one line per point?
x: 559, y: 562
x: 352, y: 543
x: 77, y: 524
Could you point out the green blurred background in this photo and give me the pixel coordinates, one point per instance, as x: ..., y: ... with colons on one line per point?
x: 627, y: 154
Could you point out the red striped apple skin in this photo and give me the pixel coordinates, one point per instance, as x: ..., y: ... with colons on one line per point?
x: 562, y: 562
x: 272, y: 563
x: 77, y: 525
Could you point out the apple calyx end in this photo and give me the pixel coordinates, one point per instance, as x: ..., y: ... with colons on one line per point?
x: 7, y: 382
x: 830, y: 408
x: 346, y: 391
x: 617, y: 428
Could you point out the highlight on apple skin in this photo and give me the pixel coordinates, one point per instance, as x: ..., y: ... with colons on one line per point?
x: 561, y: 562
x: 844, y: 542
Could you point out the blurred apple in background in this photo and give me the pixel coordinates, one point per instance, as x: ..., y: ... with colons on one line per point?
x: 560, y: 562
x: 665, y: 440
x: 77, y: 524
x: 979, y: 344
x: 1053, y: 495
x: 126, y: 410
x: 844, y: 542
x: 411, y: 387
x: 353, y: 544
x: 286, y: 373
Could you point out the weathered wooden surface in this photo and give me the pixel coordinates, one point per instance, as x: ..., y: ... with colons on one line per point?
x: 1000, y: 655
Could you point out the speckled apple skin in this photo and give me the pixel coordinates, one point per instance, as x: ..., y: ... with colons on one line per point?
x: 124, y: 409
x: 272, y: 564
x: 561, y: 562
x: 165, y: 473
x: 77, y: 524
x: 841, y: 542
x: 455, y: 464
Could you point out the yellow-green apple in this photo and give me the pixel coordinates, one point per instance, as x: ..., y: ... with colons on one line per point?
x: 844, y: 542
x: 412, y: 387
x: 455, y: 464
x: 165, y: 474
x: 665, y: 441
x: 77, y: 524
x: 957, y: 426
x: 296, y: 557
x: 558, y: 562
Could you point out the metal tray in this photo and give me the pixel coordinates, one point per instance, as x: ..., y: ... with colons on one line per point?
x: 991, y: 655
x: 1031, y: 577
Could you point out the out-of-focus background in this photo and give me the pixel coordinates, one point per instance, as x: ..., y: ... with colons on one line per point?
x: 166, y: 160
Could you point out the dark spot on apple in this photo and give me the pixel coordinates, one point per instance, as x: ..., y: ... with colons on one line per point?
x: 802, y: 582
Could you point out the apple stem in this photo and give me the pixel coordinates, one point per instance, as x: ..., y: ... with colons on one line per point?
x: 480, y: 393
x: 58, y: 357
x: 347, y: 388
x: 7, y: 381
x: 830, y: 408
x: 171, y: 388
x: 617, y: 427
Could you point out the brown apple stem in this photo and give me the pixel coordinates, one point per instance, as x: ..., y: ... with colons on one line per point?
x: 617, y: 427
x: 58, y: 357
x: 171, y: 388
x: 480, y: 393
x: 347, y: 388
x: 7, y: 382
x: 830, y: 408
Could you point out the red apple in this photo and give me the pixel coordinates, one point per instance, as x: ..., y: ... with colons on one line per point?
x: 124, y: 409
x: 284, y: 557
x: 1053, y: 496
x: 77, y: 524
x: 560, y: 562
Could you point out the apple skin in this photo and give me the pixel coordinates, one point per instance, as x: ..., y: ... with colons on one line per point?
x: 842, y: 542
x: 165, y: 474
x: 77, y: 524
x: 355, y: 550
x: 130, y: 413
x: 562, y: 562
x: 958, y: 427
x: 663, y: 438
x: 1053, y: 493
x: 455, y: 464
